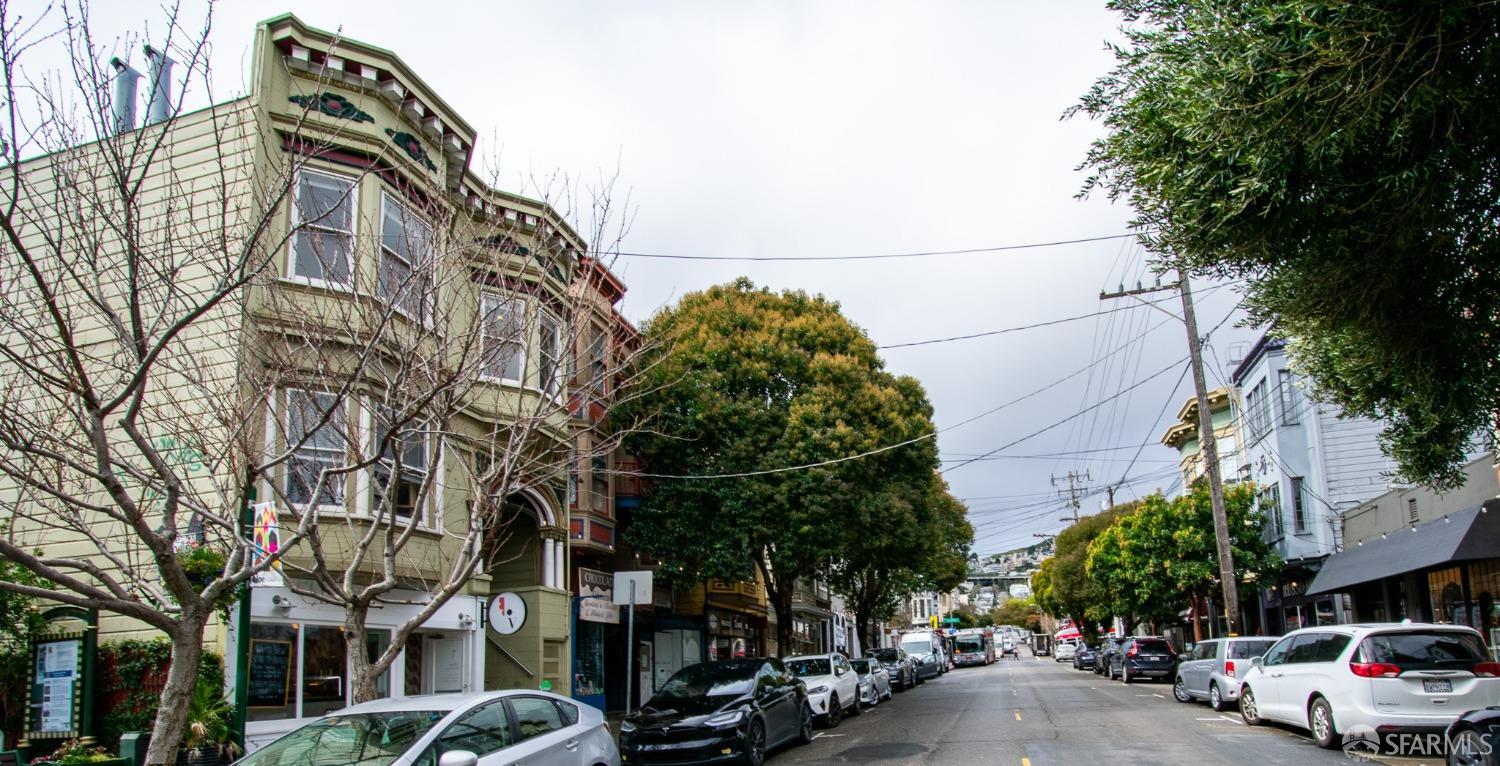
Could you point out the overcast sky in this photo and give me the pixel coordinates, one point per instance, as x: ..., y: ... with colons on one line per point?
x: 835, y: 128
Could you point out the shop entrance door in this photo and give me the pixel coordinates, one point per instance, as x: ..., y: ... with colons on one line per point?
x: 643, y: 686
x: 673, y: 651
x: 440, y: 663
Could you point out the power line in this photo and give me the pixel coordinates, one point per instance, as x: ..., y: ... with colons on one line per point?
x: 988, y: 333
x: 878, y: 256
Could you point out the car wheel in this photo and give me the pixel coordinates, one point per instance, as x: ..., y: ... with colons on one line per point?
x: 755, y: 744
x: 805, y: 730
x: 1109, y: 672
x: 889, y: 693
x: 856, y: 708
x: 1215, y: 699
x: 1248, y: 709
x: 1320, y: 722
x: 1469, y: 748
x: 1180, y: 692
x: 835, y: 712
x: 1125, y: 675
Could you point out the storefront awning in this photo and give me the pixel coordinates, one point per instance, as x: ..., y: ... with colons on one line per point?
x: 1464, y: 536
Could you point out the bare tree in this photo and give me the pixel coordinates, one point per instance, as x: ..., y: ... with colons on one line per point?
x: 159, y: 373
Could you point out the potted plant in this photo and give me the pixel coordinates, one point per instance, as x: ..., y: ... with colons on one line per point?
x: 74, y: 752
x: 206, y: 742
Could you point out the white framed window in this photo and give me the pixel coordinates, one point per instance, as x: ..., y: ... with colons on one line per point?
x: 405, y: 277
x: 322, y: 248
x: 315, y: 430
x: 1291, y: 400
x: 598, y: 366
x: 401, y: 469
x: 502, y: 347
x: 1258, y: 412
x: 550, y: 354
x: 1299, y: 506
x: 1270, y: 505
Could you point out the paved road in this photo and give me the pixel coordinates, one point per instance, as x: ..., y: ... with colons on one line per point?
x: 1031, y: 712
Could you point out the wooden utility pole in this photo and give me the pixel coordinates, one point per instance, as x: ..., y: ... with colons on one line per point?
x: 1208, y: 445
x: 1075, y: 485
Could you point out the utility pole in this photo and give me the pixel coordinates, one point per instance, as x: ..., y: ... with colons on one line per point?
x: 1208, y: 445
x: 1075, y: 486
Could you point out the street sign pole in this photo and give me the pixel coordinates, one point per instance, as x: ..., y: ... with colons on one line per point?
x: 630, y: 649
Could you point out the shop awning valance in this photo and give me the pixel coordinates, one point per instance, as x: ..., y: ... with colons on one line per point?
x: 1467, y: 535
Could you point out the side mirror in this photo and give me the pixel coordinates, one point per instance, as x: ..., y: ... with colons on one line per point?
x: 838, y: 671
x: 1256, y: 662
x: 458, y: 758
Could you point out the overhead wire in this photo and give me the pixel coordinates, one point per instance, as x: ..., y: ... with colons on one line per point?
x: 876, y: 256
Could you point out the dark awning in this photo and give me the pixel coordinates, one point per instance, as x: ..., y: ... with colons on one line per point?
x: 1464, y: 536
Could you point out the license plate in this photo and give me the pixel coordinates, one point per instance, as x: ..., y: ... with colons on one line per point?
x: 1155, y: 657
x: 1437, y: 687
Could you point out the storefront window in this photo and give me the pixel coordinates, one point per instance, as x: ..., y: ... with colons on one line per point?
x: 376, y: 642
x: 588, y: 672
x: 324, y: 672
x: 273, y: 672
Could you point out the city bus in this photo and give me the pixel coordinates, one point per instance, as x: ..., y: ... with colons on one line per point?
x: 974, y: 646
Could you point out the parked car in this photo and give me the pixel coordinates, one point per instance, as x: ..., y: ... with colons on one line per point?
x: 927, y: 649
x: 1105, y: 653
x: 832, y: 685
x: 899, y: 666
x: 1064, y: 651
x: 713, y: 710
x: 1008, y: 647
x: 1214, y: 668
x: 1473, y: 738
x: 1083, y: 657
x: 1389, y: 678
x: 874, y: 682
x: 490, y: 728
x: 1143, y: 657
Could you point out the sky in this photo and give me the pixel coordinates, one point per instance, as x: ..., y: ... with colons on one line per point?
x: 803, y: 129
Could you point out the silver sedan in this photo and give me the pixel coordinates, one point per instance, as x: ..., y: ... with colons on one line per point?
x: 874, y: 681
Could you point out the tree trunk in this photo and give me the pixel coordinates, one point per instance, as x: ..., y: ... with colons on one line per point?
x: 177, y: 694
x: 781, y: 600
x: 362, y: 673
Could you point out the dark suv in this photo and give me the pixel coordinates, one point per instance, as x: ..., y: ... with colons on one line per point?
x: 1144, y: 657
x: 898, y: 665
x: 1106, y: 651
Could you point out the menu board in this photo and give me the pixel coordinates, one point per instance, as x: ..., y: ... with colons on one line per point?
x: 54, y: 686
x: 270, y: 673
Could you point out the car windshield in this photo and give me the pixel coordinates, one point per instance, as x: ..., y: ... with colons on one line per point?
x: 861, y: 666
x: 364, y: 739
x: 812, y: 666
x: 1244, y: 650
x: 1427, y: 650
x: 710, y: 679
x: 885, y: 655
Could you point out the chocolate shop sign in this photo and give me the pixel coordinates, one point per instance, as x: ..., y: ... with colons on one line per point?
x: 599, y: 586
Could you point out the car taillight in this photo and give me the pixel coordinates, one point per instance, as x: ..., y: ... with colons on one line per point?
x: 1487, y: 669
x: 1228, y: 667
x: 1374, y: 669
x: 1134, y: 650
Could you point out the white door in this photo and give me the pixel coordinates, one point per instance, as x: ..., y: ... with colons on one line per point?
x: 668, y: 656
x: 643, y: 663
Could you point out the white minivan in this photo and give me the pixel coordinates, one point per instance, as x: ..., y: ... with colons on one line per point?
x: 1370, y: 680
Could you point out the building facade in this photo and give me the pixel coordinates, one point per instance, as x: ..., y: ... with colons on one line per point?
x: 376, y: 167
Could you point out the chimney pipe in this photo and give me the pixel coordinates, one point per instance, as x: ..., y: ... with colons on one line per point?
x: 159, y: 102
x: 123, y: 106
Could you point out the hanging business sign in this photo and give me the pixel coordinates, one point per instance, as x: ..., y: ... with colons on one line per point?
x: 596, y: 597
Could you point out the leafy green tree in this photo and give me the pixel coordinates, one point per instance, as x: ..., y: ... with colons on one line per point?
x: 1022, y: 612
x: 739, y: 381
x: 1340, y: 157
x: 1152, y: 563
x: 918, y: 540
x: 21, y: 622
x: 1062, y: 586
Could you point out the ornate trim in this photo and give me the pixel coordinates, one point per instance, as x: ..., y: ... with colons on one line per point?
x: 332, y: 105
x: 412, y: 145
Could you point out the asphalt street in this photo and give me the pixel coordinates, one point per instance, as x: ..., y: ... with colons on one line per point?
x: 1036, y: 712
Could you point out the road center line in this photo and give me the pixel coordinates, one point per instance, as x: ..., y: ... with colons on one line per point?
x: 1025, y: 761
x: 1018, y: 715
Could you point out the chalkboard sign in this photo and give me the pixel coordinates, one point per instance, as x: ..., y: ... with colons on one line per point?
x: 270, y: 673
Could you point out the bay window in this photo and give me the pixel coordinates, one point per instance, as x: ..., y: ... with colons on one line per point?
x: 400, y: 471
x: 315, y: 432
x: 405, y: 279
x: 550, y: 357
x: 502, y: 348
x: 323, y: 206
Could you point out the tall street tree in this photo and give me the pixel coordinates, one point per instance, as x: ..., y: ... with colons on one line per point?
x: 1342, y: 158
x: 747, y: 382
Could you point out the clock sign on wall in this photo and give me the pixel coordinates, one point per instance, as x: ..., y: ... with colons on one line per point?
x: 507, y: 613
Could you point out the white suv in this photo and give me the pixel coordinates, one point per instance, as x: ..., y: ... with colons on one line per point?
x: 832, y: 685
x: 1368, y: 681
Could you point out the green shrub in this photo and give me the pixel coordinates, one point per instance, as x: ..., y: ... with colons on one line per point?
x: 131, y: 676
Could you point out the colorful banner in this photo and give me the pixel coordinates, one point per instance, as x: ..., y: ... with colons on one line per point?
x: 267, y: 540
